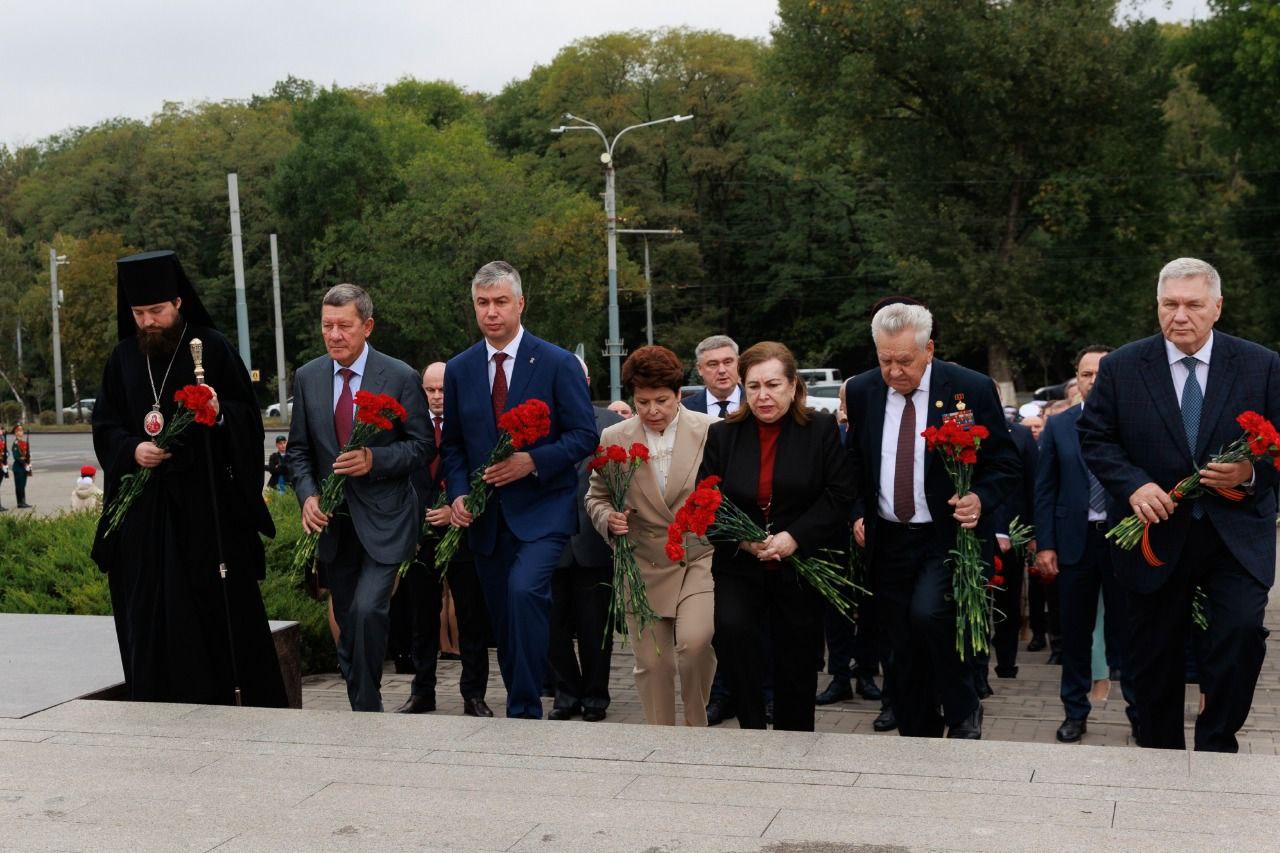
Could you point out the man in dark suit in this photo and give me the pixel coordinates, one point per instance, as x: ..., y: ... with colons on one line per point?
x: 907, y: 511
x: 1071, y: 525
x: 417, y: 603
x: 518, y: 540
x: 363, y: 544
x: 1160, y: 408
x: 580, y: 593
x: 717, y: 361
x: 1008, y: 600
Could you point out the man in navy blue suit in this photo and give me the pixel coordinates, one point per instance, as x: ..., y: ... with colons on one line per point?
x: 717, y: 361
x: 531, y: 514
x: 907, y: 511
x: 1160, y: 408
x: 1071, y: 526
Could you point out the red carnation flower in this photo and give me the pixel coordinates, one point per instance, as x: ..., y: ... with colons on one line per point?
x: 597, y: 463
x: 526, y: 423
x: 617, y: 453
x: 675, y: 551
x: 999, y: 564
x: 640, y: 451
x: 196, y: 398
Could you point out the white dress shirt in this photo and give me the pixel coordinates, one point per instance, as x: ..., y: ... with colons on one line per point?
x: 734, y: 399
x: 509, y: 364
x: 661, y: 445
x: 893, y: 408
x: 1179, y: 370
x: 357, y: 369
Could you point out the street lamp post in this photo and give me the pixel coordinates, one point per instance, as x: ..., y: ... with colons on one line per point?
x: 613, y: 346
x: 648, y: 282
x: 56, y: 260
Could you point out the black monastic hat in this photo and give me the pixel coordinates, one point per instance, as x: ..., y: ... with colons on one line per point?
x: 151, y: 278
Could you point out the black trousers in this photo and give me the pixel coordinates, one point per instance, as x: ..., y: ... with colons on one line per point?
x: 793, y: 611
x: 1078, y: 587
x: 1042, y: 602
x: 912, y: 587
x: 1231, y: 649
x: 580, y: 608
x: 1008, y: 619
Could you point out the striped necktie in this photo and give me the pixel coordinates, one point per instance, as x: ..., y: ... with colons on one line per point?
x: 1192, y: 405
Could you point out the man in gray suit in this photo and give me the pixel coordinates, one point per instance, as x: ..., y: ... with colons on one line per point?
x: 376, y: 527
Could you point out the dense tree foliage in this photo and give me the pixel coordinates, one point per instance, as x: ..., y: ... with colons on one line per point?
x: 1025, y: 167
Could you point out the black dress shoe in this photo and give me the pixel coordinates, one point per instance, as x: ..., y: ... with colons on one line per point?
x: 970, y: 729
x: 886, y: 722
x: 1037, y: 643
x: 1006, y: 672
x: 417, y: 705
x: 476, y: 708
x: 404, y: 665
x: 564, y: 713
x: 984, y: 689
x: 866, y: 688
x: 1055, y: 659
x: 450, y: 656
x: 26, y: 506
x: 592, y: 715
x: 1071, y: 730
x: 718, y: 712
x: 838, y: 690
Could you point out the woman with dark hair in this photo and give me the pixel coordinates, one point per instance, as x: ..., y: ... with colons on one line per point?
x: 783, y: 465
x: 680, y: 593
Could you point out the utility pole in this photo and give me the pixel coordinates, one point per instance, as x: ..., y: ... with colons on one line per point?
x: 275, y: 292
x: 648, y: 282
x: 613, y: 348
x: 56, y: 297
x: 237, y: 266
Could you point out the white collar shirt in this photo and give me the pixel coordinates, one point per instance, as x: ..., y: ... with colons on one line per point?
x: 357, y: 369
x: 1178, y: 370
x: 661, y: 445
x: 734, y: 400
x: 508, y: 365
x: 894, y: 405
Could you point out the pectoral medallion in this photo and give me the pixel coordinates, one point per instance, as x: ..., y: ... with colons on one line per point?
x: 153, y: 422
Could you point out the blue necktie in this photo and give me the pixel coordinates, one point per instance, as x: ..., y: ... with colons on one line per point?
x: 1192, y: 404
x: 1097, y: 494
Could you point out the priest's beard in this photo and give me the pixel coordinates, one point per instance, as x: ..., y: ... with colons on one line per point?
x: 161, y: 341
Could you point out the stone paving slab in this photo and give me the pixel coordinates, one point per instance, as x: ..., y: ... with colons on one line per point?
x: 117, y: 776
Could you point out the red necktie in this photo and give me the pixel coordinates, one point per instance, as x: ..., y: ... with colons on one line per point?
x: 435, y: 463
x: 904, y: 466
x: 499, y: 393
x: 344, y: 413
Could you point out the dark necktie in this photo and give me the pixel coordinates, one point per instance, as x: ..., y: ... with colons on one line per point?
x: 724, y: 408
x: 499, y: 392
x: 1192, y: 403
x: 1097, y: 494
x: 344, y: 412
x: 435, y: 463
x: 904, y: 464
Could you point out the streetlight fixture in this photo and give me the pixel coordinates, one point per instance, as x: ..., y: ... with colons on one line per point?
x: 613, y: 346
x: 55, y: 261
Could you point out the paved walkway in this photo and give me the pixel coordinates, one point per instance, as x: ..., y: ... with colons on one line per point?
x: 1024, y: 709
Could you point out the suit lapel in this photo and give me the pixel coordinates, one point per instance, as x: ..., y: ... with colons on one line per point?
x: 526, y: 361
x: 479, y: 380
x: 939, y: 392
x: 874, y: 428
x: 1222, y: 374
x: 1159, y: 384
x: 373, y: 380
x: 689, y: 440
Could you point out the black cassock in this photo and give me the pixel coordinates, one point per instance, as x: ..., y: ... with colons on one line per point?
x: 161, y: 562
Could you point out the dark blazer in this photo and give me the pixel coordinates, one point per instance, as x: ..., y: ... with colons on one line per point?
x: 1021, y: 501
x: 813, y: 486
x: 587, y: 547
x: 382, y: 503
x: 996, y: 473
x: 697, y: 401
x: 1062, y: 489
x: 534, y: 506
x: 427, y: 493
x: 1131, y: 434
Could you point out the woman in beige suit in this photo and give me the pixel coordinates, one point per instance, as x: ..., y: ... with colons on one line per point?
x: 680, y: 594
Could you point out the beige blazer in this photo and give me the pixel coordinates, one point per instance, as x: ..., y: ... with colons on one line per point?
x: 667, y: 583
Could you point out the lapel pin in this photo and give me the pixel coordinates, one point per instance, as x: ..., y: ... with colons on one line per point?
x: 531, y: 359
x: 937, y: 404
x: 960, y: 406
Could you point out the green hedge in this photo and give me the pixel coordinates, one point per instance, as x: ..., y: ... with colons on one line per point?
x: 45, y: 568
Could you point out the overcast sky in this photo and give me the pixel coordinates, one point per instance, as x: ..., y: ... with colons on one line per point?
x: 65, y: 63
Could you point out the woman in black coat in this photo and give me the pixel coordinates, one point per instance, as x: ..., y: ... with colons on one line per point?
x: 783, y: 465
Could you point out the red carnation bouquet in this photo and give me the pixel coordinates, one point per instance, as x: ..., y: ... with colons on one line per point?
x: 193, y: 406
x: 959, y: 445
x: 518, y: 428
x: 1260, y: 441
x: 616, y: 466
x: 374, y: 413
x: 709, y: 515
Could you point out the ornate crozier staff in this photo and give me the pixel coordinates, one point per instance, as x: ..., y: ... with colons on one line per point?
x: 197, y: 355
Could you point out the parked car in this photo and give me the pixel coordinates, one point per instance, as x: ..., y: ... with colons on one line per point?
x: 273, y: 411
x: 82, y: 408
x: 824, y: 396
x: 819, y: 375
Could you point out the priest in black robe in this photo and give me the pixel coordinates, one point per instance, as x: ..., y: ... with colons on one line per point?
x: 162, y: 561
